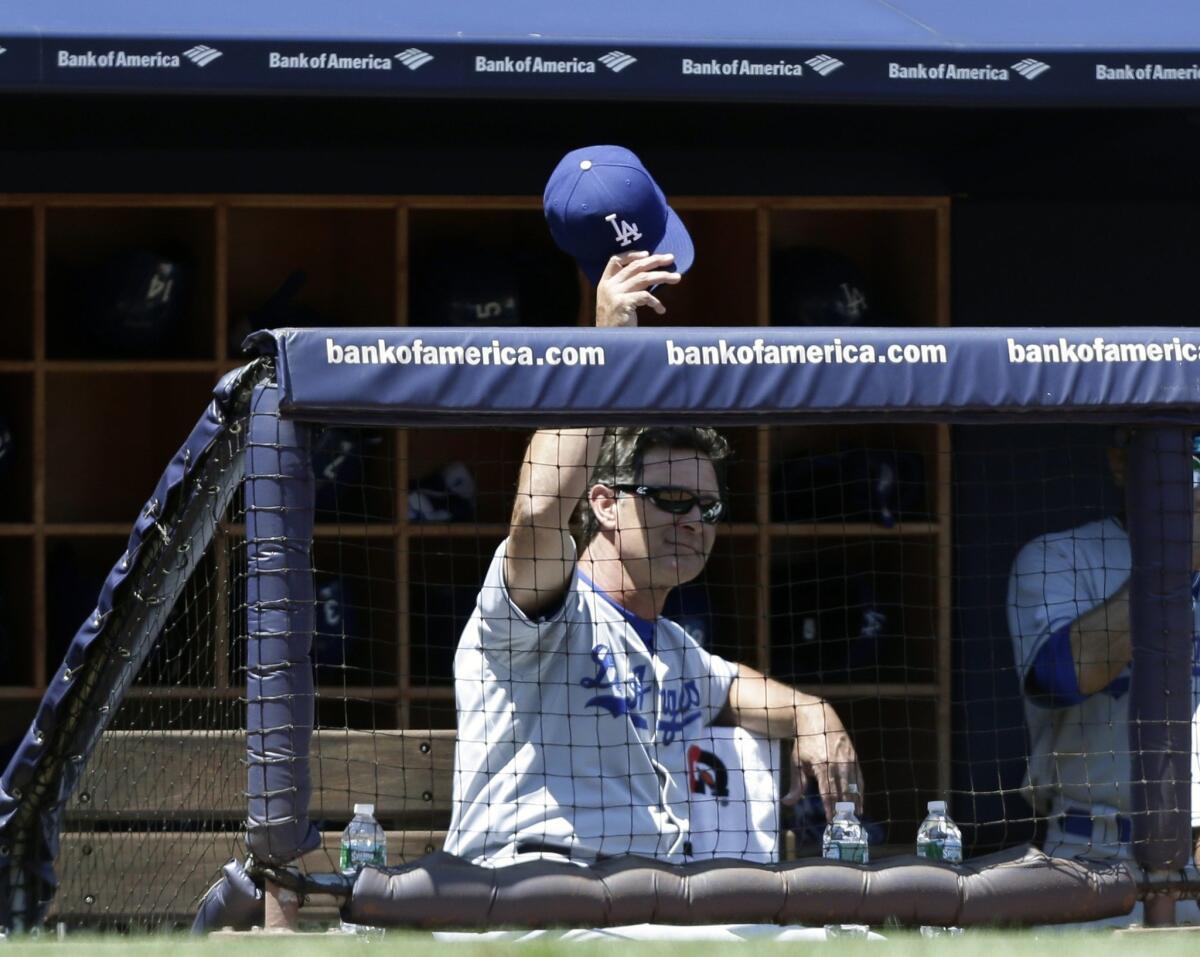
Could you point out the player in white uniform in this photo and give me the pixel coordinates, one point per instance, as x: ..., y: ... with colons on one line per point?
x: 576, y: 700
x: 1068, y: 614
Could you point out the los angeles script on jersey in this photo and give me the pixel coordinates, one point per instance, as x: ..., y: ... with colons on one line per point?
x: 679, y: 704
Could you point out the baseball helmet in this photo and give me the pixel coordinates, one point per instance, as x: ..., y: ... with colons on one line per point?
x: 133, y: 304
x: 447, y: 495
x: 814, y: 286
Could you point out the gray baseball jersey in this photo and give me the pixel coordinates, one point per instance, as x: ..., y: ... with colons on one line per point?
x: 1079, y: 754
x: 568, y: 728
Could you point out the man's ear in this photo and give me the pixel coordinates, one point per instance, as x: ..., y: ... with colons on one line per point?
x: 603, y: 500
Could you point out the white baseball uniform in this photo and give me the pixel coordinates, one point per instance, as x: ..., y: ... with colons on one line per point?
x: 573, y: 730
x: 1079, y: 763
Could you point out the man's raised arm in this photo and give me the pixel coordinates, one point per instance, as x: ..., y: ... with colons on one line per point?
x: 540, y: 557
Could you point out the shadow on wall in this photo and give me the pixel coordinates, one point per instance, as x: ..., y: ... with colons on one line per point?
x: 1011, y: 484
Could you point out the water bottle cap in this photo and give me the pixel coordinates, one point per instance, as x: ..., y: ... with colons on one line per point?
x: 937, y: 807
x: 364, y: 809
x: 844, y: 807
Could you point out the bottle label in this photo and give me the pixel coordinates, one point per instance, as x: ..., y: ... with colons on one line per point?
x: 948, y: 851
x: 851, y: 851
x: 353, y: 858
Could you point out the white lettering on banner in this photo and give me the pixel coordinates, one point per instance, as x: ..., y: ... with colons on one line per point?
x: 533, y: 64
x: 739, y: 67
x: 77, y: 59
x: 117, y: 59
x: 761, y: 352
x: 948, y: 71
x: 1100, y: 350
x: 381, y: 352
x: 326, y: 61
x: 1148, y: 72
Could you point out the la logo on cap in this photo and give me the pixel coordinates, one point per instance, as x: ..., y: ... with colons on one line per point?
x: 627, y: 233
x: 601, y: 201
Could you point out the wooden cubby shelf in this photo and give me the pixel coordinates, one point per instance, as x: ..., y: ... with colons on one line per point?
x: 97, y: 414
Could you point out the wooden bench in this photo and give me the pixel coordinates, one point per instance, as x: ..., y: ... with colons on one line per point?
x: 132, y: 847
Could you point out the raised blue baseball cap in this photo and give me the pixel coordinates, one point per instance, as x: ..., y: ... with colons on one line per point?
x: 601, y: 201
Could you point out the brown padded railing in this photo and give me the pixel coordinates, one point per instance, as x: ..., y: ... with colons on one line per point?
x: 1018, y: 887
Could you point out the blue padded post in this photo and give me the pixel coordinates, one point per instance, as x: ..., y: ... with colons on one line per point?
x: 280, y: 611
x: 1159, y: 508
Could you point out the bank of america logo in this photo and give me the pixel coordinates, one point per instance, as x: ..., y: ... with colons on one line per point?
x: 202, y: 55
x: 824, y: 64
x: 617, y: 61
x: 413, y: 58
x: 1031, y: 69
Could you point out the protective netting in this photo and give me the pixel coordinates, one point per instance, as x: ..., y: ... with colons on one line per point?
x: 925, y: 581
x: 160, y: 803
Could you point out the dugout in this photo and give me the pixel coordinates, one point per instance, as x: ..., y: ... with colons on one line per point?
x: 1060, y: 195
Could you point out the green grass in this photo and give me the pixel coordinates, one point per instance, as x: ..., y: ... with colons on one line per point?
x: 410, y: 944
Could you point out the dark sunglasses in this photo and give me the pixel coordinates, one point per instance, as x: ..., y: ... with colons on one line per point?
x: 678, y: 501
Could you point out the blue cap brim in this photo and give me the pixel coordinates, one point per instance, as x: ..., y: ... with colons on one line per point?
x: 675, y: 240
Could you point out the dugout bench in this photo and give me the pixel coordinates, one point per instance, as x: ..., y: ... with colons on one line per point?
x: 406, y: 774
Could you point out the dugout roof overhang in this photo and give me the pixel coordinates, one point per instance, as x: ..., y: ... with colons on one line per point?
x: 939, y: 52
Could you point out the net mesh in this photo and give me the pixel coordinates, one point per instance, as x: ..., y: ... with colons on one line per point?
x: 868, y: 564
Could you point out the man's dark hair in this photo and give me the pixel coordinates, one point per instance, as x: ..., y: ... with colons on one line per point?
x: 623, y: 452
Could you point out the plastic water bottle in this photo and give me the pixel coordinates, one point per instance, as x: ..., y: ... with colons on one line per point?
x: 845, y: 839
x: 363, y: 842
x: 939, y: 839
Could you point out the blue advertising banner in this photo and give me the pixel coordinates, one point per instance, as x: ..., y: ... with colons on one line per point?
x: 914, y: 52
x: 736, y: 375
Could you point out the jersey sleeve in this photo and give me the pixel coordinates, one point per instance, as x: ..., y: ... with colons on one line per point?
x: 503, y: 626
x: 1046, y: 593
x: 1051, y: 681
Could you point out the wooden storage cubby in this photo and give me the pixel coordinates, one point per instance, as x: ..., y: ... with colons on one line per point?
x: 109, y: 435
x: 499, y: 258
x: 855, y: 611
x: 17, y: 279
x: 85, y: 248
x: 347, y: 253
x: 722, y: 288
x: 99, y: 428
